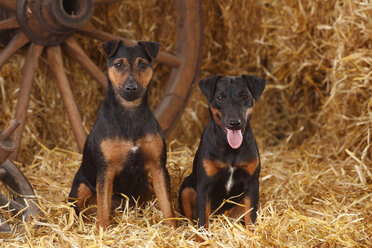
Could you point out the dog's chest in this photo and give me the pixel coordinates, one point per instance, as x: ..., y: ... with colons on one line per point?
x: 116, y: 151
x: 230, y: 181
x: 232, y: 177
x: 230, y: 174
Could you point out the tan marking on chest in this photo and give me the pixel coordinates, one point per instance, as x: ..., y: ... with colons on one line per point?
x: 248, y: 166
x: 212, y: 167
x: 115, y: 152
x: 152, y: 147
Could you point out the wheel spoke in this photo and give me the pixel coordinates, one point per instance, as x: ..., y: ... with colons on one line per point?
x: 164, y: 58
x: 76, y: 52
x: 103, y: 36
x: 9, y: 23
x: 18, y: 41
x: 12, y: 205
x: 56, y: 66
x: 2, y: 174
x: 9, y: 4
x: 9, y: 130
x: 100, y: 2
x: 32, y: 57
x: 169, y: 59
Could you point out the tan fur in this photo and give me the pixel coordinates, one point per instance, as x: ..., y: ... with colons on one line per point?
x: 217, y: 115
x: 188, y: 199
x: 247, y: 206
x: 250, y: 110
x: 132, y: 104
x: 114, y: 152
x: 212, y: 167
x: 248, y: 166
x: 238, y: 210
x: 207, y: 213
x: 142, y: 77
x: 118, y: 76
x: 152, y: 148
x: 84, y: 195
x: 104, y: 198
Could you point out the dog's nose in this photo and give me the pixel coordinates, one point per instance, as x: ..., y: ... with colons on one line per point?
x: 131, y: 88
x: 234, y: 123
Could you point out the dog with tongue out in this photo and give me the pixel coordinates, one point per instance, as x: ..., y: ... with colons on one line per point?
x: 227, y: 162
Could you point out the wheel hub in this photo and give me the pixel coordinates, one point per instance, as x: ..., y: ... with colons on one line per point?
x: 51, y: 22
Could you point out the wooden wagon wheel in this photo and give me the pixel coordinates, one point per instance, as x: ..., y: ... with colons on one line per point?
x: 49, y: 24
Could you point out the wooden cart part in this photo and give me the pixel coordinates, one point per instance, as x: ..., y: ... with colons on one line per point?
x: 24, y: 202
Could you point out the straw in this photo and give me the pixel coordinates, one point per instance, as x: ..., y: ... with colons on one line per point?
x: 313, y: 126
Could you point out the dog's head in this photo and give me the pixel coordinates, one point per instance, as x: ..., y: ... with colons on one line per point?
x: 130, y: 68
x: 231, y: 103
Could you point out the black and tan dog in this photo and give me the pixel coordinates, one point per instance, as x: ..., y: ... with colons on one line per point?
x: 227, y: 162
x: 126, y: 142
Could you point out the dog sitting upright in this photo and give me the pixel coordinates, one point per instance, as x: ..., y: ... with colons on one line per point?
x: 126, y: 141
x: 227, y: 162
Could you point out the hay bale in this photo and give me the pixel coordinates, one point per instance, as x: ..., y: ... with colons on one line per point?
x: 313, y: 125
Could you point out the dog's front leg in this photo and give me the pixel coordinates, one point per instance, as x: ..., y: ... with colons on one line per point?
x: 203, y: 204
x: 104, y: 189
x: 251, y: 201
x: 153, y: 148
x: 160, y: 180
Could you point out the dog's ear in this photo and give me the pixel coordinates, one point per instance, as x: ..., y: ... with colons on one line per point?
x: 109, y: 48
x: 152, y: 48
x: 208, y: 86
x: 255, y: 85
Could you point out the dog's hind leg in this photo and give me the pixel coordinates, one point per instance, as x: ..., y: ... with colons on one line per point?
x: 187, y: 199
x: 80, y: 193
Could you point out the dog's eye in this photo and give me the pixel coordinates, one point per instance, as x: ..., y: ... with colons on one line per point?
x: 244, y: 97
x: 118, y: 64
x: 220, y: 98
x: 143, y: 65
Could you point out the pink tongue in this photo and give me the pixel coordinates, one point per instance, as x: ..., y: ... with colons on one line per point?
x: 235, y: 138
